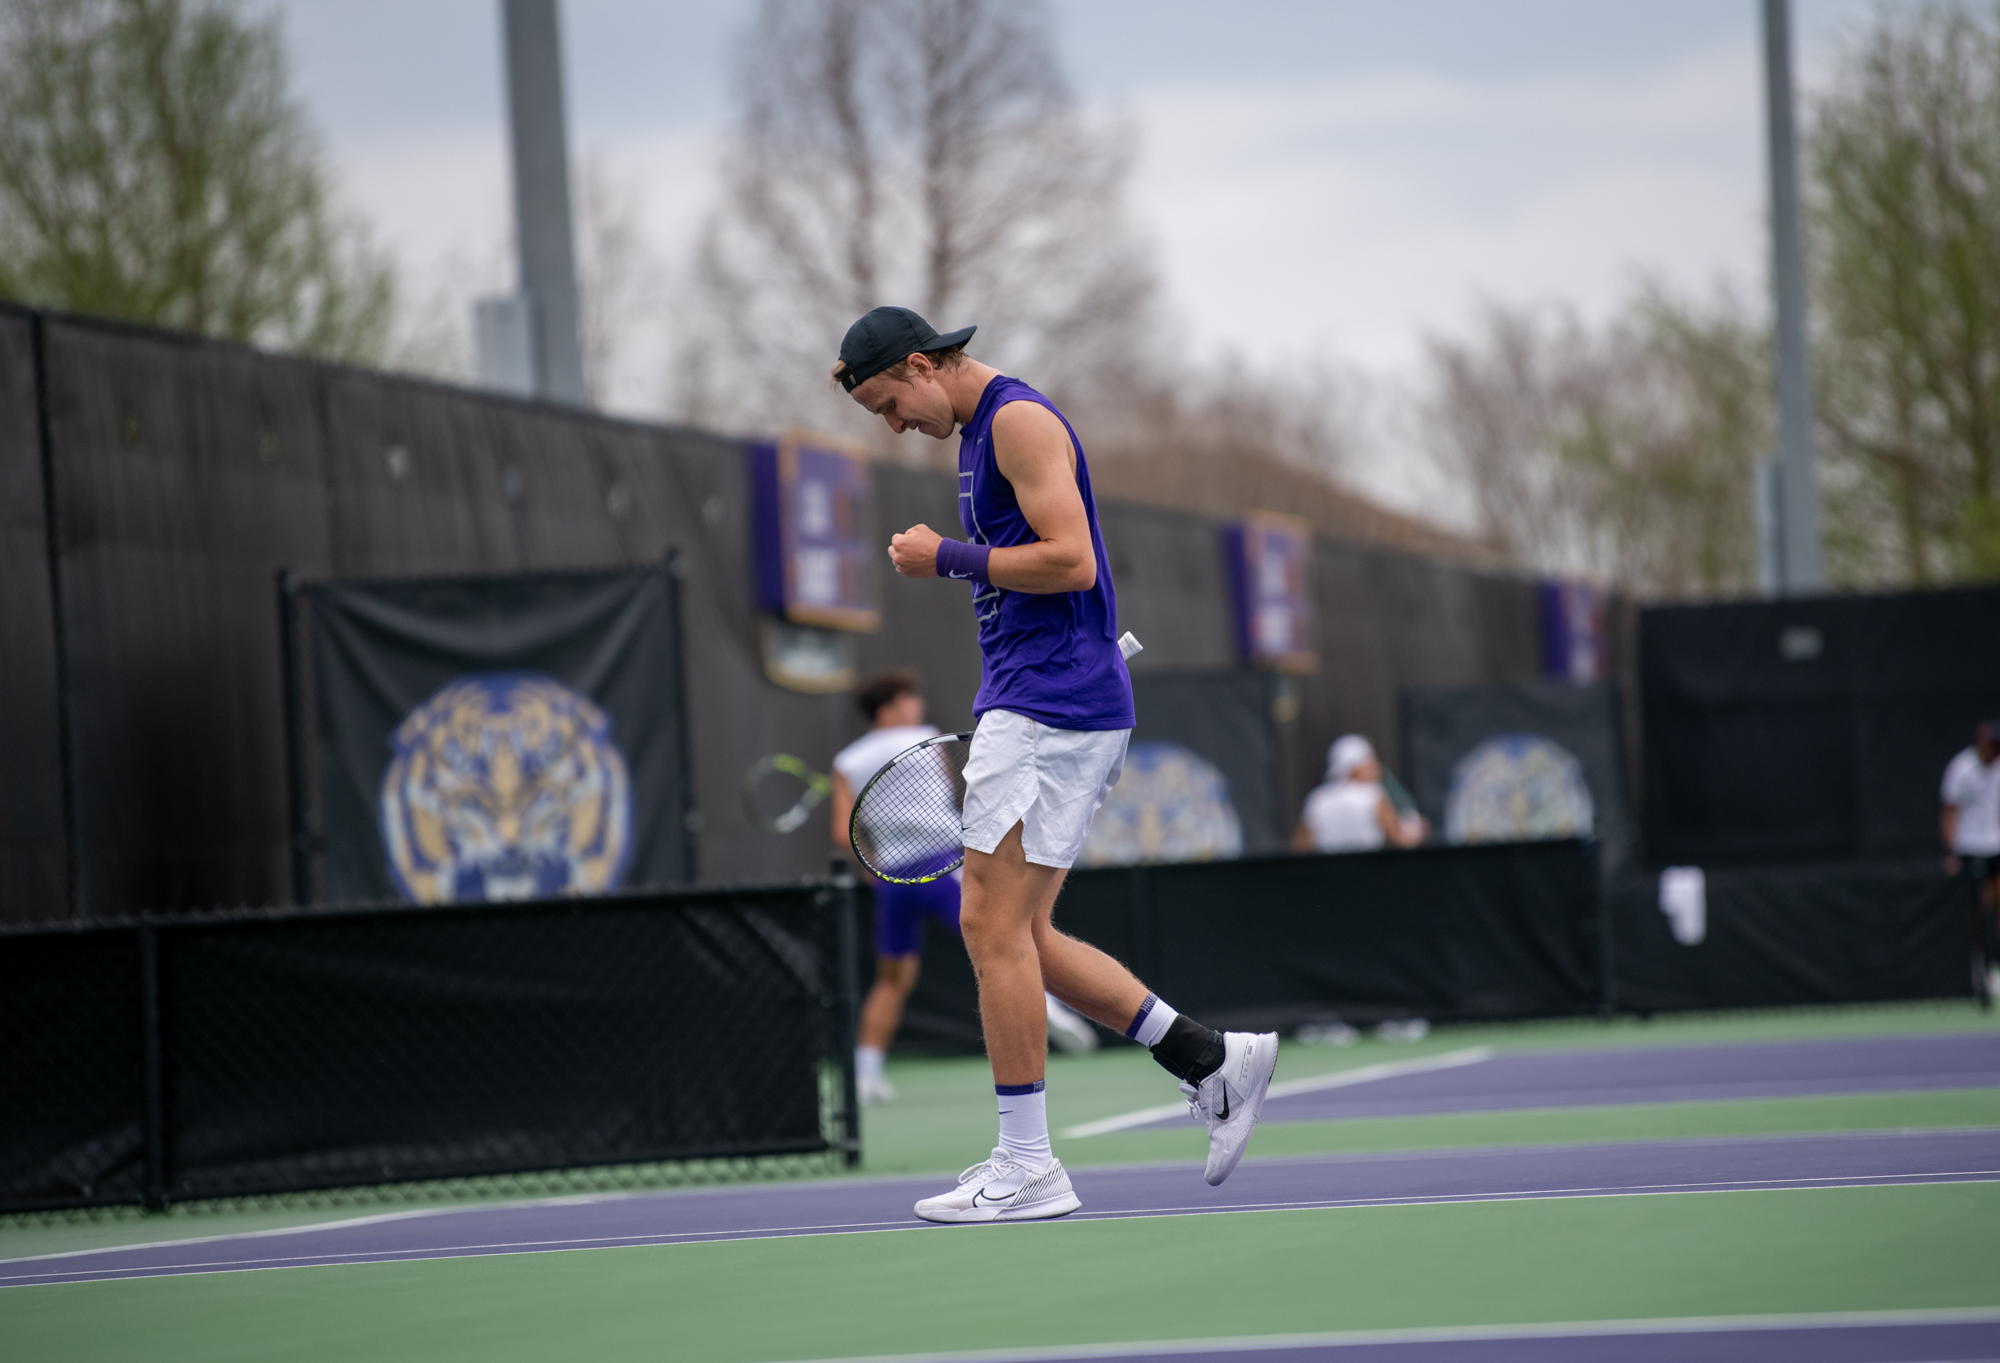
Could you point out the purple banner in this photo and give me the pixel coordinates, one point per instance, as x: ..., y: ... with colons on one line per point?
x: 1573, y: 645
x: 1270, y: 569
x: 816, y: 543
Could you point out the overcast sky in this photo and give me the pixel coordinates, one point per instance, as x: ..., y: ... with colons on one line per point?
x: 1315, y: 175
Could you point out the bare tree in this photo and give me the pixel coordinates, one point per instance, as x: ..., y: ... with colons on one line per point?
x: 1906, y: 162
x: 618, y: 277
x: 154, y: 167
x: 1619, y: 453
x: 924, y: 152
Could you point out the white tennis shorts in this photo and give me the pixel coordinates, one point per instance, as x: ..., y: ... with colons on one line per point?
x: 1048, y: 780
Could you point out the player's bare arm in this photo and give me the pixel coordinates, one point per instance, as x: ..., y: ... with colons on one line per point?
x: 842, y: 803
x: 1033, y: 451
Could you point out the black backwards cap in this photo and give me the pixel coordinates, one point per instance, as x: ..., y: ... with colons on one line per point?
x: 886, y: 337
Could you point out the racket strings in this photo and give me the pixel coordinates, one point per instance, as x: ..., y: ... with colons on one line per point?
x: 907, y: 824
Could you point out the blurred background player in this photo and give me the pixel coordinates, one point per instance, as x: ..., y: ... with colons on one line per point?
x: 1970, y: 826
x: 893, y: 702
x: 1350, y: 811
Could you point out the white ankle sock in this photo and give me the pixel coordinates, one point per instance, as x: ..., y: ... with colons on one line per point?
x: 1154, y: 1017
x: 868, y: 1062
x: 1024, y: 1124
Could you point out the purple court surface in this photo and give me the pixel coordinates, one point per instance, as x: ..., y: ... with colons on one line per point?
x: 1666, y: 1074
x: 756, y: 1211
x: 1970, y: 1338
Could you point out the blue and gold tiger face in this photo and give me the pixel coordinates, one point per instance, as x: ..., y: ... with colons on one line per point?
x: 505, y: 785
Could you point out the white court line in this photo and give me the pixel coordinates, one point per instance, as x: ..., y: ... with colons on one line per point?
x: 1562, y: 1329
x: 1366, y: 1074
x: 587, y: 1243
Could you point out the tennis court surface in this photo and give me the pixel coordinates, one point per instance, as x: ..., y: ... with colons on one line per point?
x: 1788, y: 1186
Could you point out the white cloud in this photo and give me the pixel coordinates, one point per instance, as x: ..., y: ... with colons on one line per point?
x: 1360, y: 213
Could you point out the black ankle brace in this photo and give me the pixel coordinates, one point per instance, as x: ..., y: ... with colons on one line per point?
x: 1189, y: 1051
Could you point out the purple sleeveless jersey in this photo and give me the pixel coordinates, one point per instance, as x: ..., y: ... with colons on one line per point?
x: 1052, y: 657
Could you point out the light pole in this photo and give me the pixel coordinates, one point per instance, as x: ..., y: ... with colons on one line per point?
x: 529, y: 342
x: 1795, y: 555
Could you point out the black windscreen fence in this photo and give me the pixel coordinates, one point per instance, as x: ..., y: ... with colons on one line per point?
x: 214, y: 1057
x: 1778, y: 936
x: 500, y: 737
x: 1450, y: 934
x: 1813, y: 729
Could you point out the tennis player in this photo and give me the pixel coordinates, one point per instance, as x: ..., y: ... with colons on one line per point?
x: 895, y: 709
x: 1054, y: 715
x: 894, y: 703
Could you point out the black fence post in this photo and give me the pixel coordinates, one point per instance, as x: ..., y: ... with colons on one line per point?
x: 295, y: 747
x: 845, y: 906
x: 153, y: 1120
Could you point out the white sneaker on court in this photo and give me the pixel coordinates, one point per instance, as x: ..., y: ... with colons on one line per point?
x: 872, y: 1089
x: 1230, y: 1099
x: 998, y: 1189
x: 1068, y: 1031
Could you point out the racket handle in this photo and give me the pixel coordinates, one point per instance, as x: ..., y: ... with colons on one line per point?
x: 1127, y: 646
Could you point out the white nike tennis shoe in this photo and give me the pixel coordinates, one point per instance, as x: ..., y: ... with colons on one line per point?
x: 1230, y: 1099
x: 999, y: 1189
x: 873, y: 1089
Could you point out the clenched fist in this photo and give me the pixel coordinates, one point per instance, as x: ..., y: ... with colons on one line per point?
x: 914, y: 552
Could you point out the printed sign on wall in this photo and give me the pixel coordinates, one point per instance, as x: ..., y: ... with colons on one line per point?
x: 1270, y: 570
x: 489, y: 738
x: 814, y: 513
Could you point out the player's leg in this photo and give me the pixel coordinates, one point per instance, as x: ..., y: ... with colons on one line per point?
x: 898, y: 947
x: 1068, y: 1032
x: 1002, y: 899
x: 1989, y: 924
x: 1022, y: 1179
x: 1224, y: 1076
x: 881, y: 1015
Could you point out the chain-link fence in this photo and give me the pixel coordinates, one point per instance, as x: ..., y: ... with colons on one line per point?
x: 248, y: 1055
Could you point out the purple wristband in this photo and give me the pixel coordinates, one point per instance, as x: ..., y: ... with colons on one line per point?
x: 957, y: 559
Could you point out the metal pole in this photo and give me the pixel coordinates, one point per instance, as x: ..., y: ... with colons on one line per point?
x: 847, y: 943
x: 1799, y: 483
x: 542, y: 225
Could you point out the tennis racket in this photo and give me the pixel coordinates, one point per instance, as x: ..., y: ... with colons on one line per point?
x: 907, y: 826
x: 780, y: 793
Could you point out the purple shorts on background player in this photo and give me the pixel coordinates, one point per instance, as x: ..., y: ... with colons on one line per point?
x: 900, y: 911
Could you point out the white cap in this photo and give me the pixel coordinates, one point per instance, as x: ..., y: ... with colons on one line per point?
x: 1348, y: 752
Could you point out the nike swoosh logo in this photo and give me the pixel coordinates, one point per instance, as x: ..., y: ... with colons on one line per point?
x: 1224, y: 1114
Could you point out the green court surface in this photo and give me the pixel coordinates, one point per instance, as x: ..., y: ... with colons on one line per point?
x: 988, y: 1287
x: 1837, y: 1249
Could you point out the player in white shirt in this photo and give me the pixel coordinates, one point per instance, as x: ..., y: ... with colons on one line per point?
x: 1350, y: 812
x: 894, y: 704
x: 1969, y: 824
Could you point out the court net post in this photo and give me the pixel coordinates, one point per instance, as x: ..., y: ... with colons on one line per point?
x: 845, y: 897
